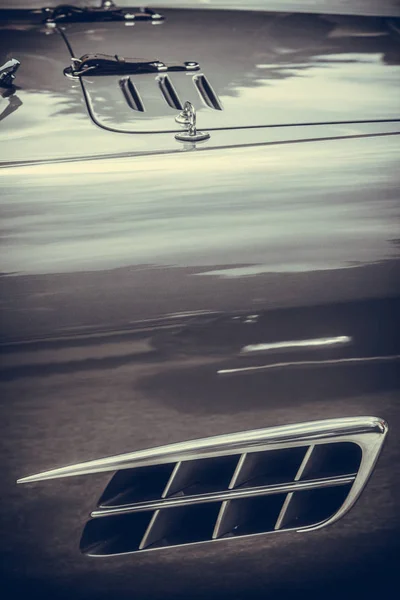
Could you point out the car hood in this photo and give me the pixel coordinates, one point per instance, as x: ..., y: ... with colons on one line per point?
x: 255, y: 69
x: 271, y: 75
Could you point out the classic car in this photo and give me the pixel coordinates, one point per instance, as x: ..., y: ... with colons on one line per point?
x: 200, y: 299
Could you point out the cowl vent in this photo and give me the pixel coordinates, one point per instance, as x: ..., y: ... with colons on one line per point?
x: 299, y: 477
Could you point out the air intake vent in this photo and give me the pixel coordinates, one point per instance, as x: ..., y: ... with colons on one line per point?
x: 207, y: 92
x: 300, y: 477
x: 131, y: 94
x: 169, y: 93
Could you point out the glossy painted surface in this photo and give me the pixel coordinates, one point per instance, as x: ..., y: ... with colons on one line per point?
x: 46, y: 115
x: 131, y: 286
x: 212, y: 231
x: 266, y: 69
x: 146, y: 298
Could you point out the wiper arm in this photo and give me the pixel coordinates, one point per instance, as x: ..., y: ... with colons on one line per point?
x: 68, y: 13
x: 103, y: 64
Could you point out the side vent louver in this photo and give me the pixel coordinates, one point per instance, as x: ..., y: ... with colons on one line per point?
x: 168, y: 91
x: 131, y: 94
x: 299, y: 477
x: 206, y: 92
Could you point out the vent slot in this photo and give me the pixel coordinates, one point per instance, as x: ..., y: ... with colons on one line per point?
x: 313, y: 506
x: 206, y: 92
x: 169, y: 92
x: 136, y: 485
x: 177, y: 526
x: 268, y: 468
x: 329, y: 460
x: 114, y: 535
x: 250, y: 516
x: 131, y: 94
x: 201, y: 476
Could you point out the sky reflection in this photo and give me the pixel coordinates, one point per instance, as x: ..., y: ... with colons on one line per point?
x: 279, y: 208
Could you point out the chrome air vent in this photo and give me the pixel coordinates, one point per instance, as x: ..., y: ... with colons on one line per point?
x: 169, y: 92
x: 299, y: 477
x: 142, y: 99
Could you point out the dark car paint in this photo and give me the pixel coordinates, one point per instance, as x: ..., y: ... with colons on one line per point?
x: 129, y: 283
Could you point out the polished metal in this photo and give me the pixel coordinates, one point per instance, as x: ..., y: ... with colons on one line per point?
x: 368, y: 431
x: 288, y: 499
x: 231, y: 494
x: 104, y: 64
x: 191, y: 134
x: 8, y: 72
x: 156, y: 523
x: 185, y: 115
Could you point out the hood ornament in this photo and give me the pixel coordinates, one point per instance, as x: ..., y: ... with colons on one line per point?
x: 7, y: 72
x: 188, y: 118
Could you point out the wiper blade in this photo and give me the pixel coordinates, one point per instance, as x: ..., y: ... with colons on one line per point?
x: 68, y: 13
x: 103, y: 64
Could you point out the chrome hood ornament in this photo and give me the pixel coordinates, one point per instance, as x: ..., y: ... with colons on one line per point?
x: 188, y: 117
x: 8, y: 71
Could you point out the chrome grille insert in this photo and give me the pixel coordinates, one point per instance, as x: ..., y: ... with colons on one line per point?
x: 299, y: 477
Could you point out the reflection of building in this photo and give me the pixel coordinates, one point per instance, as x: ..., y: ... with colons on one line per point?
x: 230, y: 45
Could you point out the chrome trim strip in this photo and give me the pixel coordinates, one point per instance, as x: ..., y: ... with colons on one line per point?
x: 171, y: 480
x: 223, y: 509
x: 289, y: 497
x: 150, y: 528
x: 347, y: 429
x: 265, y: 490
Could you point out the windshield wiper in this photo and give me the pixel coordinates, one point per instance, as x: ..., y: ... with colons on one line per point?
x: 108, y: 11
x: 103, y: 64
